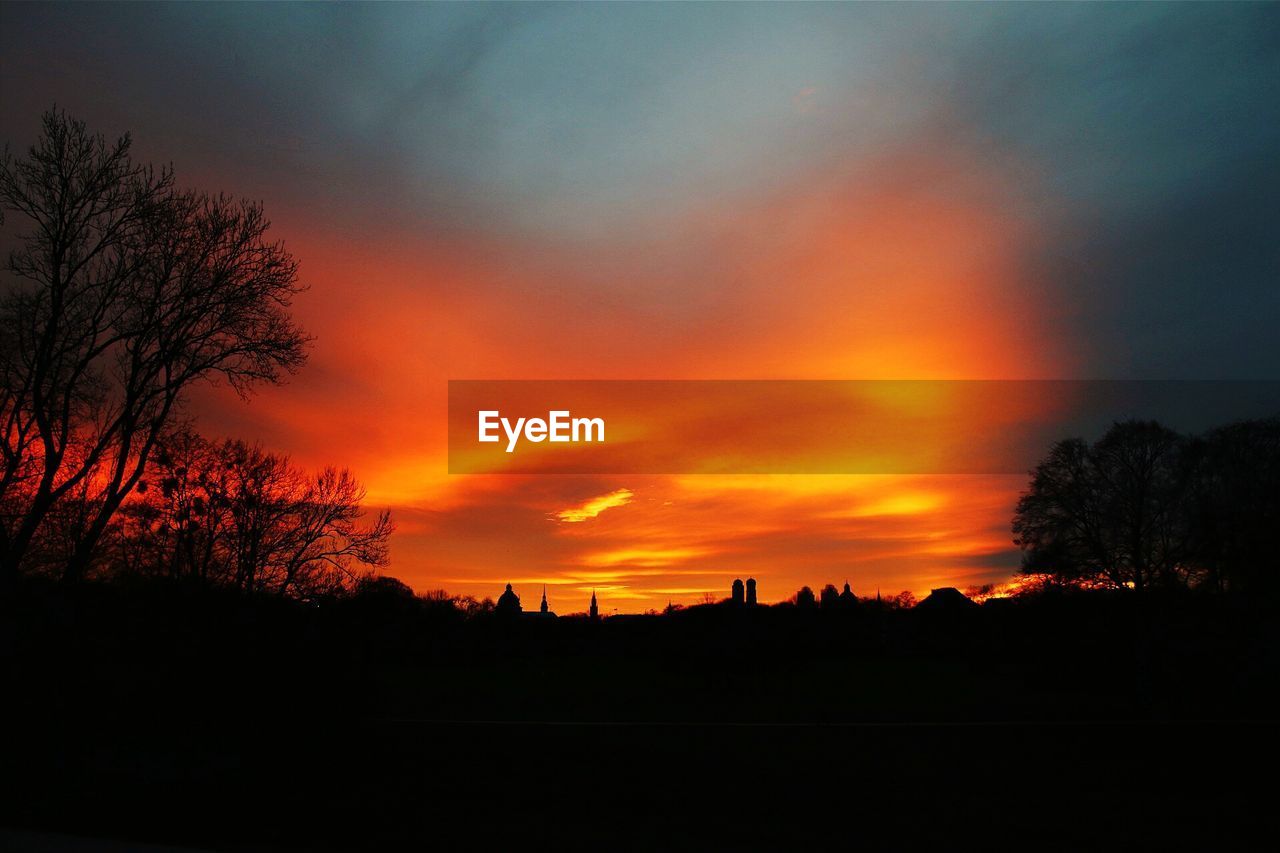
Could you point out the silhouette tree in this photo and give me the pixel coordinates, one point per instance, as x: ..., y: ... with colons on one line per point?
x: 325, y: 530
x: 180, y: 514
x: 1234, y: 507
x: 471, y: 607
x: 123, y: 292
x: 387, y: 593
x: 236, y: 515
x: 805, y: 598
x: 1109, y: 513
x: 904, y: 600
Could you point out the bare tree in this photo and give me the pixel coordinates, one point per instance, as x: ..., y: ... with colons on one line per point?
x: 1111, y: 512
x: 260, y: 490
x: 326, y: 532
x: 123, y: 293
x: 1235, y: 506
x: 236, y: 515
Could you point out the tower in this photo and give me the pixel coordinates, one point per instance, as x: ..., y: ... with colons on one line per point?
x: 595, y: 610
x: 543, y: 607
x: 737, y: 591
x: 508, y: 602
x: 751, y: 592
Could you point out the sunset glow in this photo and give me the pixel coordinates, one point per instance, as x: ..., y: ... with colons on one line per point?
x: 595, y: 506
x: 640, y: 425
x: 835, y: 211
x: 939, y: 294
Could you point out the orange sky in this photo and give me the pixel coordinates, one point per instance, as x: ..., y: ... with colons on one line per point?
x: 908, y: 267
x: 701, y: 191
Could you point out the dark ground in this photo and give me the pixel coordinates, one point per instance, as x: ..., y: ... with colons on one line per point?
x: 198, y: 720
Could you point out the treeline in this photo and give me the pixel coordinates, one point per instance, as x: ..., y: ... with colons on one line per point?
x: 1146, y: 507
x: 233, y: 514
x: 120, y: 293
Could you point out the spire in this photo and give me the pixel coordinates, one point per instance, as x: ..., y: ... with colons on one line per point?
x: 543, y: 608
x: 595, y: 610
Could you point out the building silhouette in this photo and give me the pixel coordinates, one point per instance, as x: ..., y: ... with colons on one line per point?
x: 509, y: 605
x: 595, y: 609
x: 751, y: 592
x: 544, y: 611
x: 508, y: 602
x: 948, y: 599
x: 738, y: 593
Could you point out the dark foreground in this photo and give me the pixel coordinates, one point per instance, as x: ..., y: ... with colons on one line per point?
x: 577, y: 786
x: 171, y: 718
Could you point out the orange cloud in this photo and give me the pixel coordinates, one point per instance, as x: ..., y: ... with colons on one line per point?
x: 642, y: 556
x: 595, y: 506
x: 906, y: 266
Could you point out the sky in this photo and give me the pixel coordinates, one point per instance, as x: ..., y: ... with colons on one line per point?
x: 720, y: 191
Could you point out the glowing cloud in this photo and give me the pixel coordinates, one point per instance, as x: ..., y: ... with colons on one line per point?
x: 642, y: 556
x: 595, y: 506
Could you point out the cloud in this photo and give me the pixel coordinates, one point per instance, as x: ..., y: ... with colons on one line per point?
x: 595, y: 506
x: 648, y: 557
x: 702, y: 191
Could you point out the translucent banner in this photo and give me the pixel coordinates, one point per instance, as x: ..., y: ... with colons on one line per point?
x: 812, y: 427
